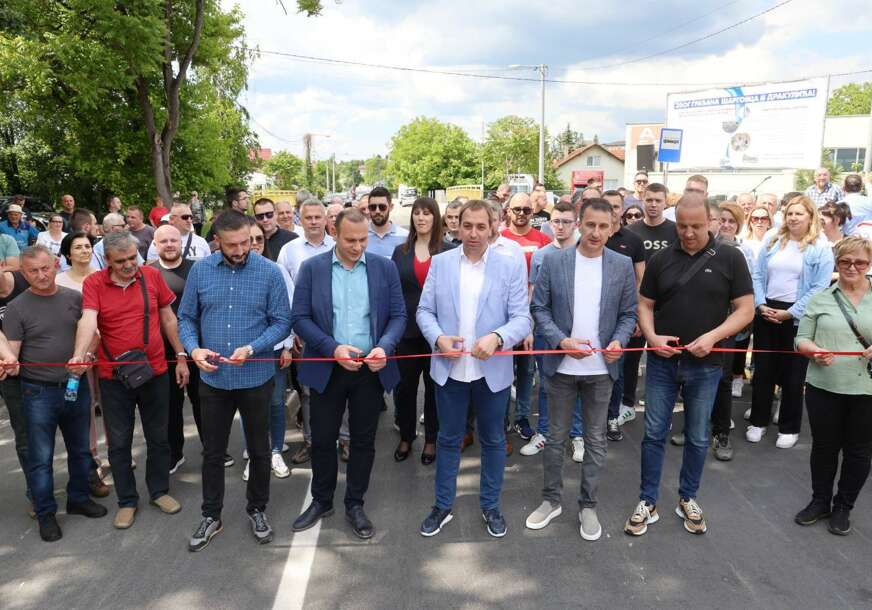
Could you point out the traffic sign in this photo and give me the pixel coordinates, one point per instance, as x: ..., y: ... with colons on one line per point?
x: 670, y: 145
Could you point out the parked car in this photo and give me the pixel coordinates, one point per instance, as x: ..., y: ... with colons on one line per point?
x: 36, y: 210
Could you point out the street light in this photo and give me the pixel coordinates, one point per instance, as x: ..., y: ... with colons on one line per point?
x: 542, y: 69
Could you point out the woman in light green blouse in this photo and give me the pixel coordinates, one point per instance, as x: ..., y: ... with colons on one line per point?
x: 838, y: 393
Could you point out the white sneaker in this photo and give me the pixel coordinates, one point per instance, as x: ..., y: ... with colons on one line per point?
x: 747, y: 414
x: 245, y: 470
x: 732, y: 424
x: 786, y: 441
x: 421, y: 419
x: 627, y: 413
x: 245, y: 454
x: 536, y: 444
x: 738, y: 385
x: 754, y: 434
x: 578, y: 449
x: 279, y: 468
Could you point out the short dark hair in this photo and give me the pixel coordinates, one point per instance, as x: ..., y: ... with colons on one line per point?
x: 477, y: 204
x: 135, y: 208
x: 79, y: 218
x: 597, y: 204
x: 380, y: 191
x: 614, y: 193
x: 230, y: 220
x: 853, y: 183
x: 348, y: 215
x: 656, y: 187
x: 265, y: 201
x: 841, y: 212
x: 698, y: 178
x: 563, y: 206
x: 233, y: 194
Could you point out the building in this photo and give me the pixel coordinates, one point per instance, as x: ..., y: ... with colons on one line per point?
x: 602, y: 161
x: 845, y: 142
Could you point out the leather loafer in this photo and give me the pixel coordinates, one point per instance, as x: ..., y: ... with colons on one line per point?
x: 401, y: 456
x: 428, y: 458
x: 89, y: 509
x: 360, y: 523
x: 311, y: 516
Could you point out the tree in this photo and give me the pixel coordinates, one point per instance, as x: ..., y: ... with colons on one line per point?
x: 286, y: 168
x: 429, y: 154
x: 565, y: 142
x: 854, y: 98
x: 374, y: 170
x: 511, y: 146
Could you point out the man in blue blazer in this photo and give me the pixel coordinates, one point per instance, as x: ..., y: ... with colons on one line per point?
x: 474, y: 301
x: 347, y: 306
x: 584, y: 301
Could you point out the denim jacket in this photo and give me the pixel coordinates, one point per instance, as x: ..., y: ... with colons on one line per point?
x: 817, y: 271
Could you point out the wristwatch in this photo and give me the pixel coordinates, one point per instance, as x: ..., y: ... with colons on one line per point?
x: 500, y: 339
x: 182, y: 355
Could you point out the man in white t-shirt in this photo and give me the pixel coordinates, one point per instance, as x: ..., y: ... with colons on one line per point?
x: 584, y: 302
x: 193, y: 246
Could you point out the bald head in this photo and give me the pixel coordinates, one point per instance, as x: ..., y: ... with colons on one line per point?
x: 168, y: 243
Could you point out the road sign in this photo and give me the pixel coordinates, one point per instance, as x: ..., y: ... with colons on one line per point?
x: 670, y: 145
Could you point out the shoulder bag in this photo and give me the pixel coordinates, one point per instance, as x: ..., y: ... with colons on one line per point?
x: 139, y: 372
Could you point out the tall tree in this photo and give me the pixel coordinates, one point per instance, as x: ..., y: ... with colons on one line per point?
x: 374, y: 170
x: 429, y: 154
x: 511, y: 146
x: 286, y: 168
x: 854, y: 98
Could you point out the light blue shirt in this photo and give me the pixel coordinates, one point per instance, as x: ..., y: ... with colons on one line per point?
x: 861, y: 209
x: 384, y: 246
x: 351, y: 320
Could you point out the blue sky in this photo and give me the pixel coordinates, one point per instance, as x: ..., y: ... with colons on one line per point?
x: 361, y: 108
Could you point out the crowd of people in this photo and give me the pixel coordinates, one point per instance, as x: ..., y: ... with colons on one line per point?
x: 335, y: 307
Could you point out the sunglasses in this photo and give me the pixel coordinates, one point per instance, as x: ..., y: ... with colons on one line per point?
x: 847, y: 263
x: 258, y: 239
x: 524, y: 211
x: 261, y: 216
x: 641, y: 182
x: 186, y: 216
x: 632, y: 216
x: 759, y: 219
x: 381, y: 207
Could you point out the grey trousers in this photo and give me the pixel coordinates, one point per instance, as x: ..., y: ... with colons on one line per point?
x: 595, y: 391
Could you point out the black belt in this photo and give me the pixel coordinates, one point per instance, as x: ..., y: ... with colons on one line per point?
x: 45, y: 384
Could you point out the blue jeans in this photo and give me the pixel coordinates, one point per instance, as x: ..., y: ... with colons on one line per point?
x: 542, y: 426
x: 523, y: 387
x: 452, y: 404
x: 276, y: 411
x: 698, y: 383
x: 46, y: 411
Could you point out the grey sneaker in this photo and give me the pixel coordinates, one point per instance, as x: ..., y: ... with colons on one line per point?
x: 677, y: 439
x: 590, y: 528
x: 260, y: 527
x: 204, y: 533
x: 543, y: 515
x: 723, y: 447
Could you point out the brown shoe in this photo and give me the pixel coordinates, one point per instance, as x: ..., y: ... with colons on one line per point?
x: 509, y: 448
x: 124, y: 517
x: 98, y: 488
x: 344, y: 451
x: 303, y: 454
x: 467, y: 441
x: 167, y: 504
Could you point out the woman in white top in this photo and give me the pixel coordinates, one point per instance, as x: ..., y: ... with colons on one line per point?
x: 757, y: 224
x: 52, y: 238
x: 76, y: 249
x: 794, y: 263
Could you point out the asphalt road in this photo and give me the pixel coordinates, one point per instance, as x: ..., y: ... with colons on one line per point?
x: 752, y: 556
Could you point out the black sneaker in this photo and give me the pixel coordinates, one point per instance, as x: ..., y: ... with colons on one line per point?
x: 613, y: 431
x: 815, y: 511
x: 207, y: 530
x: 88, y: 508
x: 228, y: 460
x: 260, y: 527
x: 435, y: 521
x: 496, y: 523
x: 523, y: 428
x: 840, y: 522
x: 49, y: 530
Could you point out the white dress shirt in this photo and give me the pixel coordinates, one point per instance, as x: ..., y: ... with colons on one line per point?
x: 586, y: 316
x: 293, y: 253
x: 466, y: 368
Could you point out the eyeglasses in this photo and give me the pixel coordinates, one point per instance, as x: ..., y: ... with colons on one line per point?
x: 759, y: 219
x: 190, y: 216
x: 562, y: 221
x: 524, y: 211
x: 381, y: 207
x: 261, y: 216
x: 641, y: 181
x: 632, y: 216
x: 258, y: 239
x: 847, y: 263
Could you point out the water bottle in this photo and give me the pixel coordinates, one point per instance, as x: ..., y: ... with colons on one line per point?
x: 72, y: 391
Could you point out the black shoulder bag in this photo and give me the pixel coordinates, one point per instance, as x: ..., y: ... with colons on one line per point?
x: 860, y: 338
x: 687, y: 276
x: 188, y: 245
x: 139, y: 372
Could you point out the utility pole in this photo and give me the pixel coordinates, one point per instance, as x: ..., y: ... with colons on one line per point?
x: 333, y: 159
x: 542, y: 70
x: 481, y: 153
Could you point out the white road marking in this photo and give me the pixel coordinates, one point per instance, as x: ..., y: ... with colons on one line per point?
x: 298, y: 567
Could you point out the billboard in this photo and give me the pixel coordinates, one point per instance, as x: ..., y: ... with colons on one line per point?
x: 772, y: 125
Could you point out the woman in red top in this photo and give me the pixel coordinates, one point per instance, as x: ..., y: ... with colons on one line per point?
x: 413, y: 262
x: 157, y: 212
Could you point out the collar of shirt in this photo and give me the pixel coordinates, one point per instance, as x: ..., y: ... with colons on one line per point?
x: 361, y: 260
x: 709, y: 245
x: 324, y: 241
x: 482, y: 260
x: 391, y: 231
x: 107, y: 277
x: 217, y: 258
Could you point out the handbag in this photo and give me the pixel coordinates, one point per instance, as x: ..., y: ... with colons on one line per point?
x: 139, y: 372
x: 860, y: 338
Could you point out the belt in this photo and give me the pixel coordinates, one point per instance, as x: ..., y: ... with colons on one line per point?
x: 45, y: 384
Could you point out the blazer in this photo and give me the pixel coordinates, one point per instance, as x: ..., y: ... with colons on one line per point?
x: 502, y: 308
x: 553, y: 303
x: 405, y: 262
x: 312, y: 316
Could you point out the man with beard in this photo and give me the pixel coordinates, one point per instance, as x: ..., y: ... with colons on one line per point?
x: 384, y: 236
x: 193, y: 246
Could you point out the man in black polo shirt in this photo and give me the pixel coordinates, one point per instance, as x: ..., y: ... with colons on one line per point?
x: 276, y: 237
x: 685, y: 302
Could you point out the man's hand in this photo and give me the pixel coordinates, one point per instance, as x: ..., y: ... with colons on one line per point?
x: 8, y: 367
x: 661, y: 346
x: 342, y: 353
x: 577, y: 348
x: 867, y: 353
x: 285, y: 359
x: 447, y: 344
x: 613, y: 352
x: 637, y: 332
x: 239, y: 356
x: 702, y: 345
x: 183, y: 375
x: 376, y: 360
x: 485, y: 347
x: 200, y: 355
x: 79, y: 365
x: 297, y: 349
x: 527, y: 345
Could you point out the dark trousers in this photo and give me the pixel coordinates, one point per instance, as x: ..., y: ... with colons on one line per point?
x: 840, y: 423
x: 46, y: 412
x: 198, y: 228
x: 218, y: 407
x: 406, y: 394
x: 119, y: 415
x: 176, y: 428
x: 786, y: 370
x: 740, y: 358
x: 11, y: 389
x: 723, y: 407
x: 362, y: 392
x: 631, y: 370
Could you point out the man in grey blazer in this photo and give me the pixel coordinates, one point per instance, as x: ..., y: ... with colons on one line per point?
x: 584, y: 302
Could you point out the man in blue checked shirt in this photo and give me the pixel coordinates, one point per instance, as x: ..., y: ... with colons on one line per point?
x: 235, y: 307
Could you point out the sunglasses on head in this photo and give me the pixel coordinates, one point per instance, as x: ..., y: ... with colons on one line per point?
x: 381, y: 207
x: 261, y: 216
x: 524, y: 211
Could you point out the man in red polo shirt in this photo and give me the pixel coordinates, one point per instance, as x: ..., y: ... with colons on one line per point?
x: 112, y: 301
x: 519, y: 229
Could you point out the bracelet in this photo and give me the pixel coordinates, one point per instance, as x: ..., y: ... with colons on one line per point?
x: 181, y: 355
